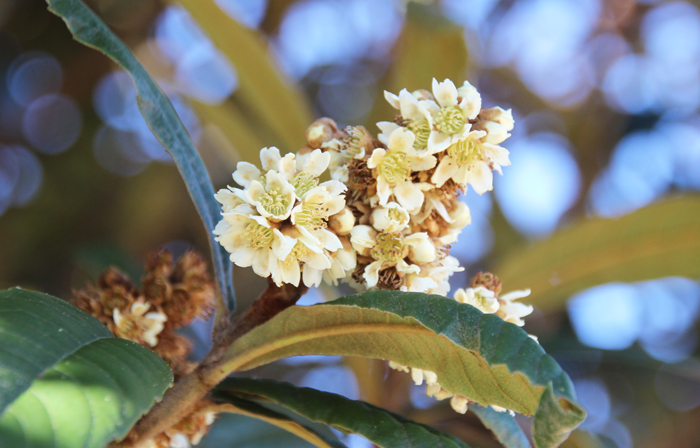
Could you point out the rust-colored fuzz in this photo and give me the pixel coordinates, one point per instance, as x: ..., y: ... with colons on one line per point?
x: 488, y: 281
x: 181, y: 291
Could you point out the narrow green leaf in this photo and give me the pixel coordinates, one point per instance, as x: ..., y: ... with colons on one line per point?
x: 88, y: 399
x: 37, y: 331
x: 503, y: 425
x: 88, y: 29
x: 660, y: 240
x: 232, y: 430
x: 473, y: 354
x: 379, y: 426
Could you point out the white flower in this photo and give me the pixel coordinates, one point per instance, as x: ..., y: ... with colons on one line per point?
x: 481, y: 298
x: 469, y: 161
x: 307, y: 259
x: 137, y: 324
x: 390, y: 218
x: 303, y: 170
x: 451, y: 119
x: 275, y: 199
x: 433, y: 277
x: 416, y: 115
x: 252, y: 241
x: 498, y: 115
x: 247, y: 172
x: 394, y: 167
x: 343, y: 262
x: 511, y: 311
x: 311, y: 215
x: 230, y: 199
x: 397, y: 366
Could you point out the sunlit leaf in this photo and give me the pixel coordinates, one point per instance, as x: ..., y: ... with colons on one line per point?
x: 381, y: 427
x: 660, y: 240
x: 476, y: 355
x: 87, y: 387
x: 163, y: 121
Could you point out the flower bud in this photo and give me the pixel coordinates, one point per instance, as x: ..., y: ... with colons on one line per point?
x: 321, y: 131
x: 498, y: 115
x: 342, y: 222
x: 459, y: 404
x: 461, y: 216
x: 417, y: 375
x: 421, y: 250
x: 397, y: 366
x: 430, y: 377
x: 363, y: 239
x: 423, y: 95
x: 495, y: 132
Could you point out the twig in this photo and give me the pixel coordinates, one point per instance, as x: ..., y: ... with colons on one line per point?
x: 179, y: 401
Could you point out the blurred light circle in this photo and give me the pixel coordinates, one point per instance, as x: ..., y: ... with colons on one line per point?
x: 542, y: 182
x: 9, y: 174
x: 30, y: 177
x: 176, y: 32
x: 335, y: 379
x: 593, y: 396
x: 114, y: 101
x: 641, y: 169
x: 248, y: 12
x: 629, y: 86
x: 109, y: 149
x: 608, y: 316
x: 685, y: 145
x: 52, y: 123
x: 617, y: 433
x: 671, y: 32
x: 678, y: 385
x: 11, y: 115
x: 206, y: 75
x: 32, y: 76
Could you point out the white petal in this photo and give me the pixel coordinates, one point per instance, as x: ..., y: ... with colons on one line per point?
x: 269, y: 157
x: 376, y: 157
x: 445, y: 93
x: 438, y: 142
x: 243, y: 256
x: 311, y: 276
x: 392, y: 99
x: 401, y: 140
x: 481, y: 178
x: 245, y: 173
x: 409, y: 196
x: 383, y: 190
x: 387, y: 127
x: 423, y: 163
x: 371, y: 274
x: 497, y: 154
x: 317, y: 162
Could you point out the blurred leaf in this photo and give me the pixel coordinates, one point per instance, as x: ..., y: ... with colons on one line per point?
x: 660, y: 240
x: 381, y: 427
x: 430, y: 46
x: 37, y: 331
x: 473, y: 354
x: 503, y: 425
x: 258, y: 411
x: 241, y: 431
x: 163, y: 121
x: 263, y: 88
x: 87, y: 387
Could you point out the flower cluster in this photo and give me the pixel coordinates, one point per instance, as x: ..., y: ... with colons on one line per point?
x: 172, y: 295
x: 388, y: 207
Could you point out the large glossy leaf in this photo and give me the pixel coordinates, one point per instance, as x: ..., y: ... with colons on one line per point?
x: 88, y: 399
x: 504, y: 427
x: 163, y: 121
x: 70, y: 381
x: 660, y: 240
x: 263, y: 90
x: 381, y: 427
x: 37, y: 331
x: 476, y: 355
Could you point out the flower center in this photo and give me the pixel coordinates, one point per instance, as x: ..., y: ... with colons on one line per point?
x: 303, y: 182
x: 394, y: 168
x: 396, y: 215
x: 355, y: 141
x: 275, y: 202
x: 421, y: 129
x: 298, y: 251
x: 450, y: 120
x: 389, y: 247
x: 465, y: 152
x: 258, y: 236
x: 312, y: 216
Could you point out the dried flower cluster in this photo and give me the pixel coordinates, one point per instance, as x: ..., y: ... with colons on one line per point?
x: 377, y: 213
x: 171, y: 296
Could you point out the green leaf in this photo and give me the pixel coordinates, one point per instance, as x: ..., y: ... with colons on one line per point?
x: 37, y: 331
x: 263, y: 90
x: 70, y: 381
x: 660, y: 240
x: 242, y: 431
x: 503, y: 425
x: 473, y: 354
x: 296, y: 425
x: 379, y: 426
x: 88, y: 29
x: 88, y: 399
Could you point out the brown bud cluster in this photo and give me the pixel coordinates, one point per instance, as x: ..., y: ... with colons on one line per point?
x: 175, y: 293
x: 487, y: 280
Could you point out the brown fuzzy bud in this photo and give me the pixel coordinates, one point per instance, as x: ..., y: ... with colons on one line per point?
x: 321, y: 131
x: 488, y: 281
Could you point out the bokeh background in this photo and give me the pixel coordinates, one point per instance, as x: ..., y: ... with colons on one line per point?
x: 599, y: 212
